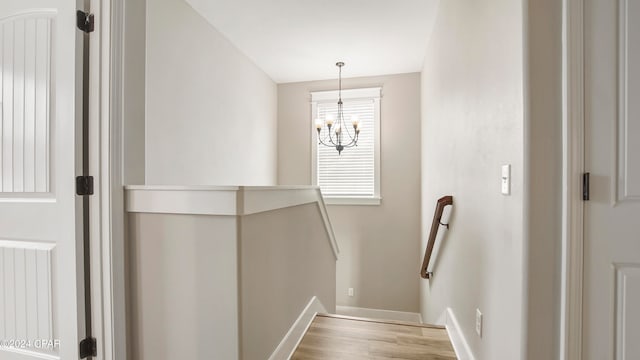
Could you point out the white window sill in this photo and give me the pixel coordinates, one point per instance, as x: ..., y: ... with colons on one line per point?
x: 372, y: 201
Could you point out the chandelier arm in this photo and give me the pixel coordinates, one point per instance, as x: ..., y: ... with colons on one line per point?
x: 353, y: 138
x: 354, y: 142
x: 349, y: 132
x: 331, y: 140
x: 323, y: 141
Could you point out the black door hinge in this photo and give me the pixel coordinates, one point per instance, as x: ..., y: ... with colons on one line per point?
x: 88, y: 347
x: 84, y: 185
x: 585, y: 187
x: 84, y: 21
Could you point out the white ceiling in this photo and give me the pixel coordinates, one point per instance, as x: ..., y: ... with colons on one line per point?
x: 301, y: 40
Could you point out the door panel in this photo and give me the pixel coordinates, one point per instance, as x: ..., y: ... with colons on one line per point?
x: 26, y: 283
x: 629, y: 116
x: 39, y: 289
x: 611, y: 318
x: 25, y: 42
x: 627, y: 311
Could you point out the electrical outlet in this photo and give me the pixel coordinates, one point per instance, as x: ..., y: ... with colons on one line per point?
x: 479, y: 322
x: 350, y: 291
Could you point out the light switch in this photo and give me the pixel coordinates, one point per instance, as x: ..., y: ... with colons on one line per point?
x: 506, y: 179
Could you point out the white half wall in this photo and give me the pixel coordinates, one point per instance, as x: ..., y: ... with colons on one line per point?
x: 225, y: 281
x: 210, y: 111
x: 472, y: 124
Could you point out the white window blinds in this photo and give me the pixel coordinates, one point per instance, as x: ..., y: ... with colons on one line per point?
x: 351, y: 174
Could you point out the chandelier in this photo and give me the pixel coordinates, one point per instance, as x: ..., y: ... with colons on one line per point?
x: 334, y: 132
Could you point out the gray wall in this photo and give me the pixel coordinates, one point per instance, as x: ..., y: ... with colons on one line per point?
x: 211, y: 112
x: 543, y: 177
x: 472, y: 124
x: 133, y: 101
x: 285, y: 260
x: 183, y: 287
x: 379, y: 245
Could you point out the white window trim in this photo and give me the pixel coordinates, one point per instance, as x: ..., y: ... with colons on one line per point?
x: 348, y: 94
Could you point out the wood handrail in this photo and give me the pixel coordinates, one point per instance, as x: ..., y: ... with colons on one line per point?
x: 435, y: 225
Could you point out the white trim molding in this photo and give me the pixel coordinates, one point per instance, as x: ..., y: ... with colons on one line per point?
x: 379, y: 314
x: 210, y: 200
x: 458, y: 341
x: 573, y: 168
x: 350, y: 94
x: 294, y: 336
x: 353, y: 200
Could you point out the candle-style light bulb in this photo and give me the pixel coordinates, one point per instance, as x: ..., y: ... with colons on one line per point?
x: 338, y: 129
x: 329, y: 119
x: 319, y: 123
x: 355, y: 120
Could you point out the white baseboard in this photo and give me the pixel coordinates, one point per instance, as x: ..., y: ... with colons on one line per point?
x: 293, y: 337
x: 379, y: 314
x: 460, y: 344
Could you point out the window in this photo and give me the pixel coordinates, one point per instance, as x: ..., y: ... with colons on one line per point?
x: 352, y: 178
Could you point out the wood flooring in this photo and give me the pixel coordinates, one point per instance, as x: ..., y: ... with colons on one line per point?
x: 341, y: 337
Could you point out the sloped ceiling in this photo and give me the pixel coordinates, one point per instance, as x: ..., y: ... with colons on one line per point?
x: 301, y: 40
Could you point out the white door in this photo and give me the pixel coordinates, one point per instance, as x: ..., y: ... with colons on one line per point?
x: 611, y: 317
x: 39, y: 282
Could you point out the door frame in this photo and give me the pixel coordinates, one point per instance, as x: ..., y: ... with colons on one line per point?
x: 573, y: 168
x: 110, y: 274
x: 107, y: 209
x: 109, y: 271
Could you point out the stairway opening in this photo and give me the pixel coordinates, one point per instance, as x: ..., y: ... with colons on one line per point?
x: 345, y: 337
